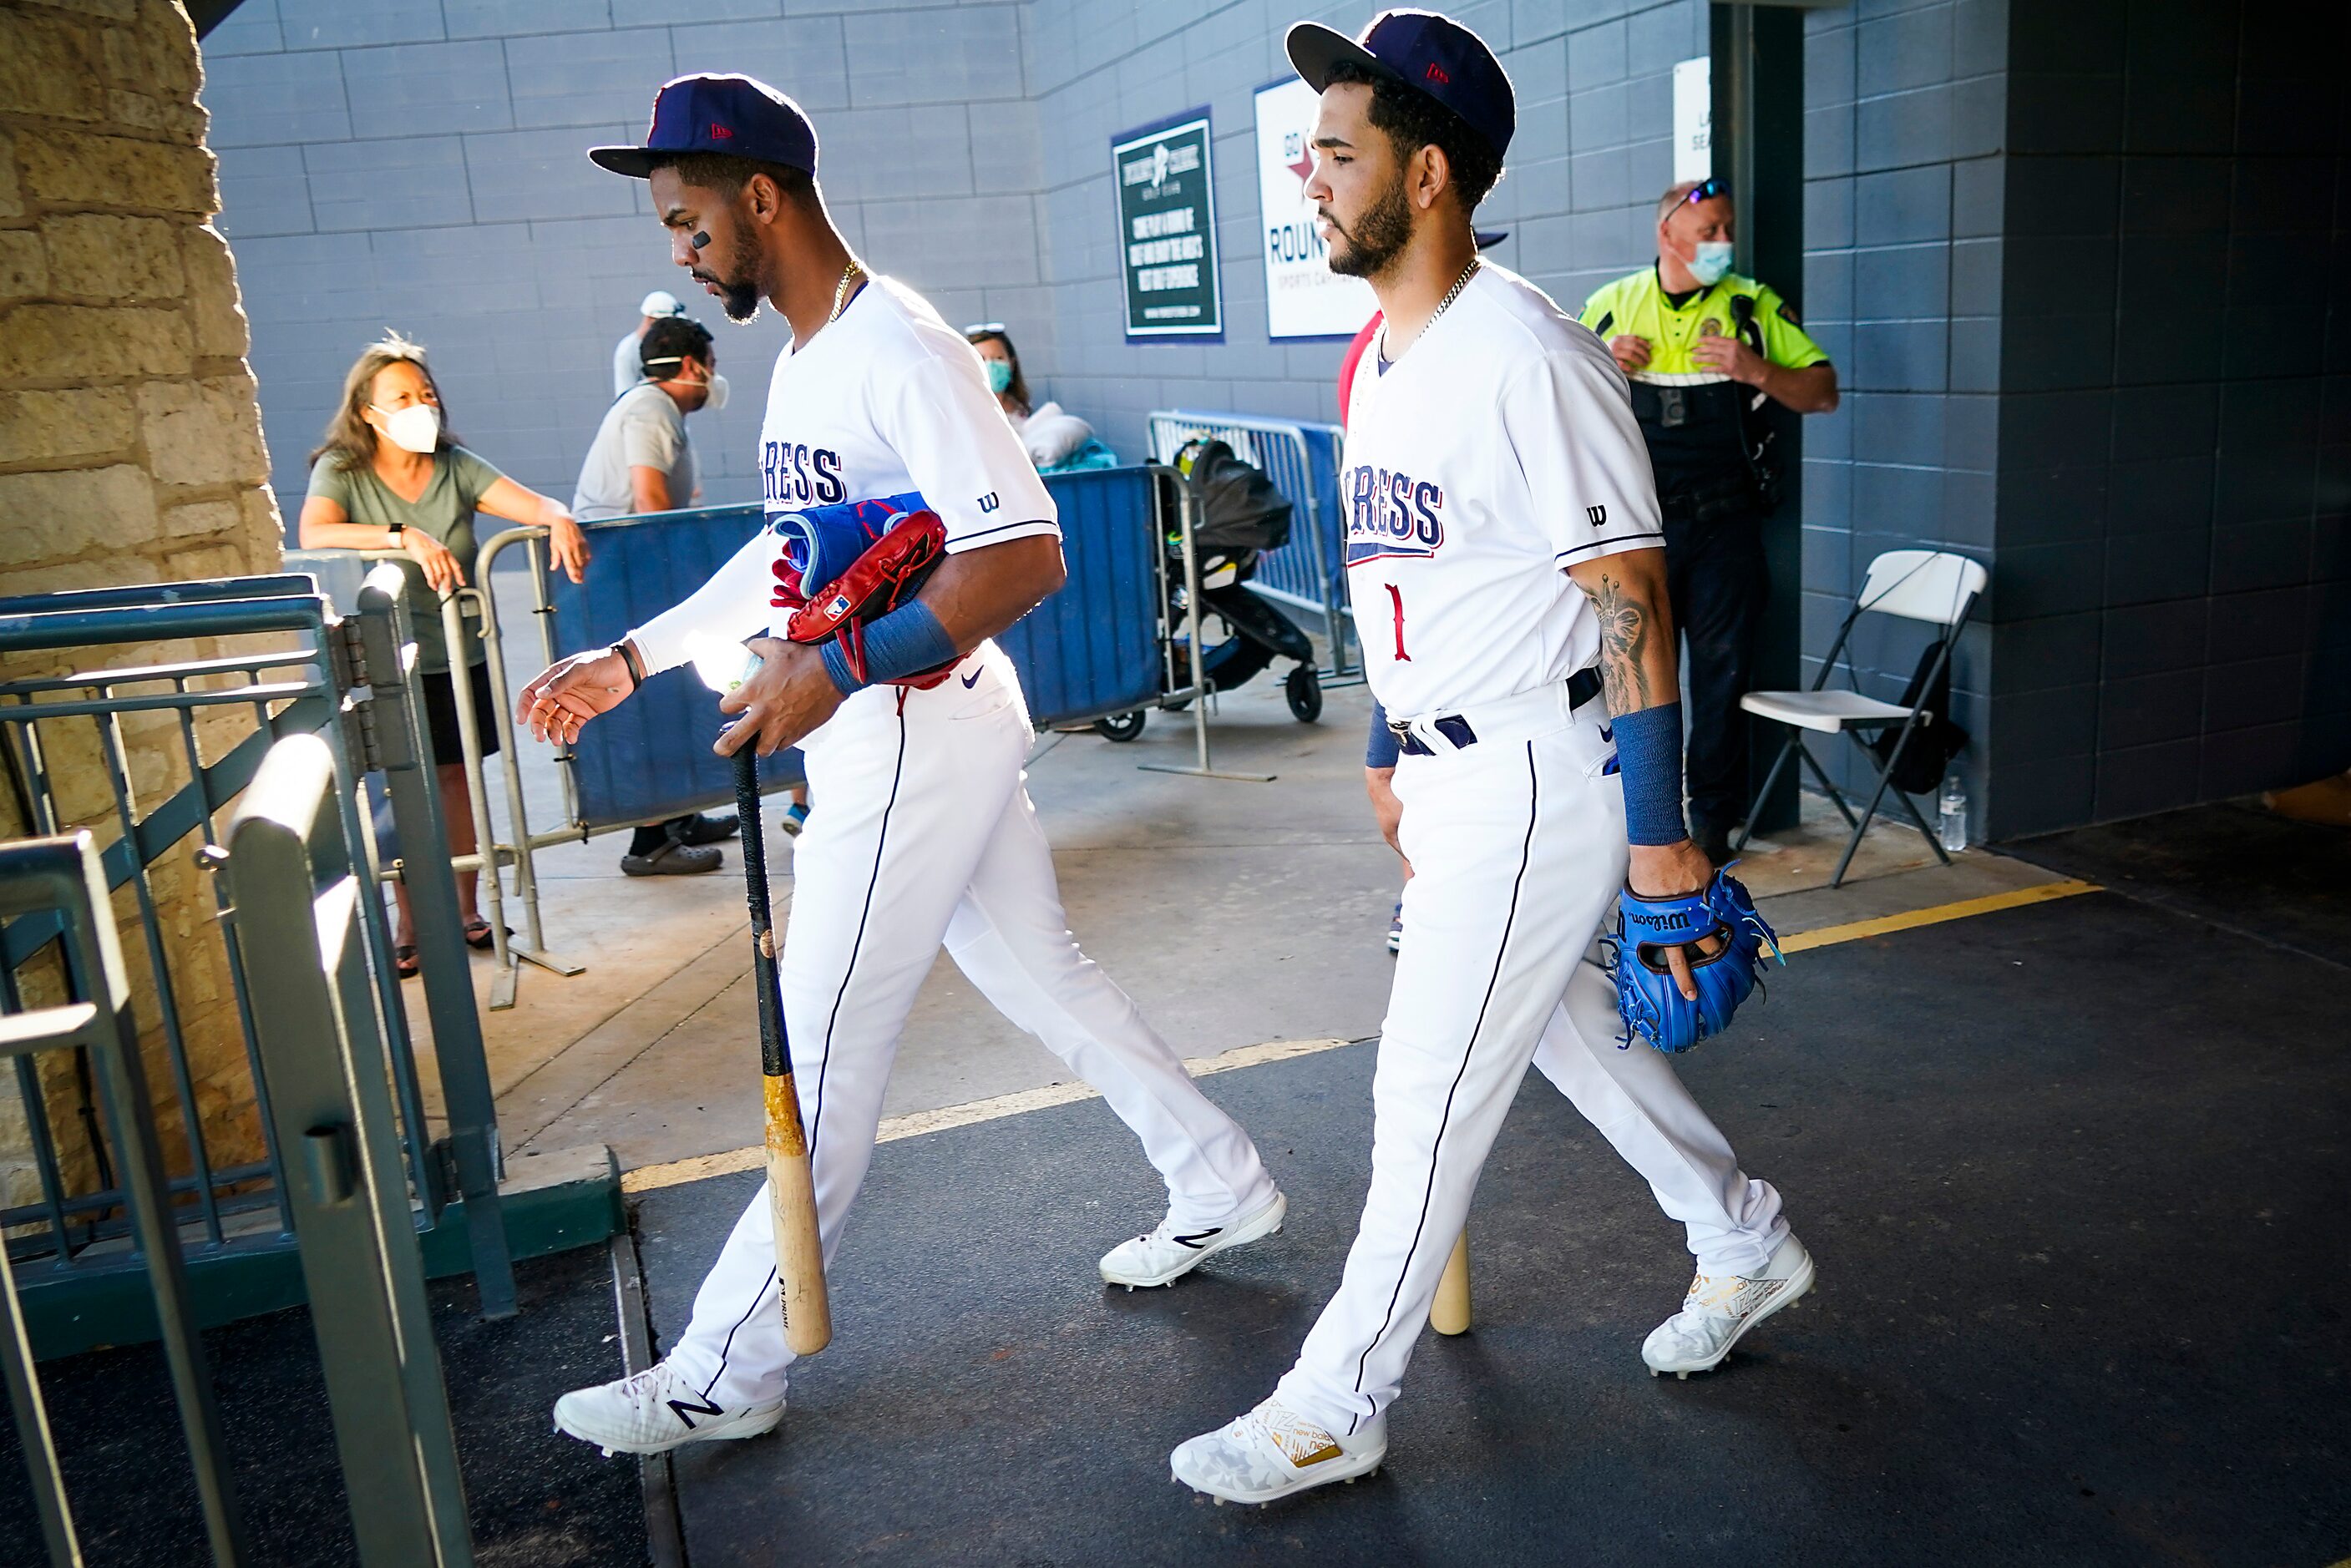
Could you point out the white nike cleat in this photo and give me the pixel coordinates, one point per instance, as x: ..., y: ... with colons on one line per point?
x: 1272, y: 1452
x: 1720, y: 1308
x: 656, y: 1411
x: 1173, y: 1251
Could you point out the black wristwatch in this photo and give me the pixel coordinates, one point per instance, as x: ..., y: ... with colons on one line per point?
x: 398, y: 536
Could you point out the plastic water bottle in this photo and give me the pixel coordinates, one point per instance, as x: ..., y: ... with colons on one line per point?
x: 1954, y: 824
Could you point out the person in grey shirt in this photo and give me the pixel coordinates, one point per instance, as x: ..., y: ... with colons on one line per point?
x: 642, y: 460
x: 659, y: 306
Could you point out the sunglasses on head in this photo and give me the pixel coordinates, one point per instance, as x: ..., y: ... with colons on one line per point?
x: 1705, y: 189
x: 978, y: 328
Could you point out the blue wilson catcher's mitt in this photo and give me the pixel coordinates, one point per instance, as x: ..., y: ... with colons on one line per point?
x: 1651, y: 1004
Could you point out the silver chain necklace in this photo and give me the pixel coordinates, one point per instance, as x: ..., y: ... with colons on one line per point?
x: 1450, y: 296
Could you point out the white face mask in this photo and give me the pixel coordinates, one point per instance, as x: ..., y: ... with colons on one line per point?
x: 1711, y: 261
x: 416, y: 428
x: 716, y: 385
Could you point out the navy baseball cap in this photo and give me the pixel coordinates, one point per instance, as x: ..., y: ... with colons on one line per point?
x: 740, y: 115
x: 1432, y: 54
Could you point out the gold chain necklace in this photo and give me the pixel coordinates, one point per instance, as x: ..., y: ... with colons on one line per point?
x: 841, y: 290
x: 1450, y: 296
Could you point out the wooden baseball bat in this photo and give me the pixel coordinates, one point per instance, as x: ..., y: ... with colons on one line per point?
x: 791, y: 1187
x: 1450, y: 1314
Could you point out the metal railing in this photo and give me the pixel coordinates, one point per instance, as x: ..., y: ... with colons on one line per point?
x: 337, y: 571
x: 477, y: 600
x: 299, y: 888
x: 343, y: 680
x: 60, y: 885
x: 301, y: 897
x: 1302, y: 460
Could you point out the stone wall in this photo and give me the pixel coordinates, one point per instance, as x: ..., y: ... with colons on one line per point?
x: 130, y: 451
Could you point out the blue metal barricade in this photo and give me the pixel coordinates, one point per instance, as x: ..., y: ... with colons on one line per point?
x: 1302, y: 460
x: 650, y: 758
x: 1093, y: 648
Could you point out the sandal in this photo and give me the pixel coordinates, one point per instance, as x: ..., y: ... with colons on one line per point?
x: 404, y: 962
x: 478, y: 934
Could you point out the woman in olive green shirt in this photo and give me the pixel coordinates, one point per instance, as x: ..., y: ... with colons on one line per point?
x: 389, y: 477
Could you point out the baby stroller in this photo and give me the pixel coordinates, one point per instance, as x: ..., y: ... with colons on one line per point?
x: 1238, y: 515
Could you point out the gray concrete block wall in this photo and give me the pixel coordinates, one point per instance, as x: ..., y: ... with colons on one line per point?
x: 1592, y: 151
x: 418, y: 167
x: 2062, y: 258
x: 1903, y: 165
x: 2176, y: 422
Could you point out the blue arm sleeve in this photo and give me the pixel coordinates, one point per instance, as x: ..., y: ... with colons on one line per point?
x: 906, y: 642
x: 1380, y: 749
x: 1649, y: 759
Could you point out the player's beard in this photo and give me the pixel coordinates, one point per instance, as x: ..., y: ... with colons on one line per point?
x: 738, y: 296
x: 1379, y: 236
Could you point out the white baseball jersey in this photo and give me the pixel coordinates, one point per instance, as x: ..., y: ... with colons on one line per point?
x: 1497, y: 450
x: 887, y: 399
x: 921, y: 832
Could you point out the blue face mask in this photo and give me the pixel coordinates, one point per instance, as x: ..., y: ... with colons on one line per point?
x: 1000, y: 374
x: 1712, y: 262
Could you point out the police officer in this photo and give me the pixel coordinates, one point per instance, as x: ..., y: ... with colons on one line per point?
x: 1704, y: 349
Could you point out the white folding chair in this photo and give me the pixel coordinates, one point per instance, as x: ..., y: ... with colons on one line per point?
x: 1932, y: 586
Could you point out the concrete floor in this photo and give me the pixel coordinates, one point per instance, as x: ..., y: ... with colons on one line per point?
x: 2080, y: 1261
x: 1235, y: 913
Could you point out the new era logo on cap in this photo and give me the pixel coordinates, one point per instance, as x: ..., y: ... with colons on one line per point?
x: 736, y: 114
x: 1431, y: 54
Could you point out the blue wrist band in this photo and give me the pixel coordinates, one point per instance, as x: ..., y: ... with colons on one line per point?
x: 1380, y: 749
x: 906, y: 642
x: 1649, y: 759
x: 836, y: 665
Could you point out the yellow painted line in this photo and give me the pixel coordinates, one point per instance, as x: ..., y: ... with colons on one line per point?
x: 914, y: 1124
x: 1934, y: 915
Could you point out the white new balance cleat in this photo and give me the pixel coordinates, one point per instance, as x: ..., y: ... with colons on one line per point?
x: 1173, y: 1251
x: 1272, y: 1452
x: 1720, y: 1308
x: 656, y: 1411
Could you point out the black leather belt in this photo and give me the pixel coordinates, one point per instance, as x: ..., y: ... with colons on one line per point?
x: 1581, y: 688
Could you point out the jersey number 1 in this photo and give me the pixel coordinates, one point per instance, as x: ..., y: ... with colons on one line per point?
x: 1396, y: 597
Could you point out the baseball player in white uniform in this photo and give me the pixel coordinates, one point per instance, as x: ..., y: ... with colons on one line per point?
x: 926, y: 834
x: 1505, y: 560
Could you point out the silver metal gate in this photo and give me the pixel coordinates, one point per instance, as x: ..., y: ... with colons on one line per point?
x: 1310, y: 572
x: 344, y: 680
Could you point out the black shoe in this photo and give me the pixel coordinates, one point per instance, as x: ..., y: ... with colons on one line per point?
x: 671, y: 859
x: 703, y: 828
x: 1713, y: 842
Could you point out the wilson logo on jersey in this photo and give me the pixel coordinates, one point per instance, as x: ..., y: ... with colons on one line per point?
x: 798, y: 475
x: 1390, y: 514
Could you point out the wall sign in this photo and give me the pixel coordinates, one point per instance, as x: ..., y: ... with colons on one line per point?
x: 1168, y: 229
x: 1304, y: 297
x: 1693, y: 119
